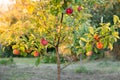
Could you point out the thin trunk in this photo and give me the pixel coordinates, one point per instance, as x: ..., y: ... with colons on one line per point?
x: 58, y: 63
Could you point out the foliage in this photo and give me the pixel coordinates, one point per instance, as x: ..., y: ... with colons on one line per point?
x: 26, y: 25
x: 6, y: 51
x: 106, y: 32
x: 29, y: 22
x: 55, y: 22
x: 51, y: 58
x: 7, y: 62
x: 104, y: 12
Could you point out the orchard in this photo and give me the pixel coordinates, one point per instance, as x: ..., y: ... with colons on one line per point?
x: 31, y: 27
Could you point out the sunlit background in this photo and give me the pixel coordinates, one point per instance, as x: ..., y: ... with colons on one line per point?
x: 4, y: 4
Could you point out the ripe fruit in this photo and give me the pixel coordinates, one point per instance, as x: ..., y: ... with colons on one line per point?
x: 89, y: 53
x: 44, y: 42
x: 69, y: 11
x: 16, y: 52
x: 36, y: 54
x: 99, y: 45
x: 96, y: 37
x: 79, y: 8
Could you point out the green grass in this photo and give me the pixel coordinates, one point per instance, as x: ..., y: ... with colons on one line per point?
x: 103, y: 66
x: 26, y: 68
x: 25, y: 60
x: 82, y: 69
x: 7, y: 61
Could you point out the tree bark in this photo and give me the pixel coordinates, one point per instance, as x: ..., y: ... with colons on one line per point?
x: 116, y: 51
x: 58, y: 63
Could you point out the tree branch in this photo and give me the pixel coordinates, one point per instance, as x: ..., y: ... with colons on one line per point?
x: 67, y: 65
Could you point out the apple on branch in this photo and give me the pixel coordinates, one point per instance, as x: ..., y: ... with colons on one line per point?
x: 36, y: 53
x: 89, y: 53
x: 69, y: 11
x: 16, y: 52
x: 44, y: 42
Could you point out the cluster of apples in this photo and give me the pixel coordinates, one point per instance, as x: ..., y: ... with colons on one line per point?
x: 17, y: 52
x: 43, y: 41
x: 99, y: 44
x: 70, y: 10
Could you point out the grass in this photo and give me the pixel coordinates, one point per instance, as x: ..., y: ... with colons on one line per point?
x: 7, y: 61
x: 20, y: 60
x: 82, y: 69
x: 102, y: 66
x: 25, y: 69
x: 25, y: 60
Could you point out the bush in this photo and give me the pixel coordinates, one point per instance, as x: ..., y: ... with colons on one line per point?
x: 6, y: 51
x: 105, y: 11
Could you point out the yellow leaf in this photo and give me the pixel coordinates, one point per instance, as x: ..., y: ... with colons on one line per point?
x: 116, y: 34
x: 115, y: 19
x: 107, y: 25
x: 91, y: 30
x: 32, y: 36
x: 22, y: 48
x: 110, y: 46
x: 83, y: 39
x: 15, y: 46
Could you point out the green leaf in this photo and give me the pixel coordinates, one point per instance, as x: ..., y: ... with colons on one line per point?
x: 98, y: 29
x: 77, y: 1
x: 24, y: 38
x: 23, y: 54
x: 115, y: 19
x: 88, y: 47
x: 37, y: 62
x: 105, y: 43
x: 91, y: 30
x: 81, y: 43
x: 96, y: 50
x: 83, y: 39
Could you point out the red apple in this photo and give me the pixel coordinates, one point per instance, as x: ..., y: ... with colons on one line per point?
x: 36, y: 54
x: 89, y: 53
x: 99, y: 45
x: 69, y: 11
x: 96, y: 37
x: 16, y: 52
x: 44, y: 42
x: 79, y: 8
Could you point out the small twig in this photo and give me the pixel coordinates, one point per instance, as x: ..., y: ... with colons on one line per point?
x: 67, y: 65
x: 62, y: 18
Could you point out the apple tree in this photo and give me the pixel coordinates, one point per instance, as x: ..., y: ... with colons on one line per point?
x: 32, y: 26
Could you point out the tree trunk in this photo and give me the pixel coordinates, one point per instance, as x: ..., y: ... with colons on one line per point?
x: 116, y: 51
x: 58, y: 63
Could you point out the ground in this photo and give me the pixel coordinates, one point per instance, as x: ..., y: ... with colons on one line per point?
x: 24, y: 69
